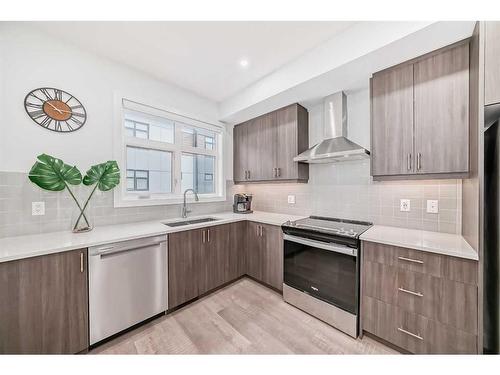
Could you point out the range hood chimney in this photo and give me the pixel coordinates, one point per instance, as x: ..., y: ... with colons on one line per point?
x: 335, y: 146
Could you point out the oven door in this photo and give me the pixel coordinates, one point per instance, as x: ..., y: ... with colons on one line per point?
x: 325, y: 270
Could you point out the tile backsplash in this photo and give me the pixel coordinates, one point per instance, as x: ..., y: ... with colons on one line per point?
x: 346, y: 190
x: 343, y: 190
x: 17, y: 193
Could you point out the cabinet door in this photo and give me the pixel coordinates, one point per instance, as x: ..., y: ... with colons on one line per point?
x: 442, y: 112
x: 237, y: 251
x: 240, y: 148
x: 261, y: 138
x: 492, y: 63
x: 272, y: 256
x: 214, y: 264
x: 44, y: 308
x: 286, y: 143
x: 184, y: 250
x: 254, y: 251
x: 392, y: 122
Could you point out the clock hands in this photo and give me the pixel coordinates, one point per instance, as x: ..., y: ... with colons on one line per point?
x: 53, y: 106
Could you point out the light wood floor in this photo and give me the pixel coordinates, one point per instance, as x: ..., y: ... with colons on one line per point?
x: 242, y: 318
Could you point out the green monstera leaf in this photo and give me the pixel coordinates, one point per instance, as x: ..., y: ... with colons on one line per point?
x: 53, y: 174
x: 106, y: 175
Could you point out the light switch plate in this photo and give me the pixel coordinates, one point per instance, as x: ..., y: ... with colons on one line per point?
x: 432, y: 206
x: 404, y: 205
x: 37, y: 208
x: 291, y: 199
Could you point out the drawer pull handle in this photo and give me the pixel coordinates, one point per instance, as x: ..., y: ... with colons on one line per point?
x: 411, y: 260
x: 418, y: 294
x: 410, y: 334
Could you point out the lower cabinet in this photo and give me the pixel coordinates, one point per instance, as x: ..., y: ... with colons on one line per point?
x: 44, y: 304
x: 424, y: 303
x: 201, y: 260
x: 264, y: 254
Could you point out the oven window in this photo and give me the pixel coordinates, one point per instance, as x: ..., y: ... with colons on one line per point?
x: 327, y: 275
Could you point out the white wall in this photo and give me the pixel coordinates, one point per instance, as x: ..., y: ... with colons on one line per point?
x: 29, y: 59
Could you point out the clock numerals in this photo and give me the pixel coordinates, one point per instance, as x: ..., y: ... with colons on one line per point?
x: 58, y: 126
x: 46, y: 122
x: 37, y: 114
x: 68, y: 125
x: 58, y: 94
x: 76, y: 121
x: 78, y: 114
x: 46, y: 93
x: 34, y: 105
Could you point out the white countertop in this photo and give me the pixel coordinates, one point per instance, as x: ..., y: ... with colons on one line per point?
x: 433, y: 242
x: 12, y: 248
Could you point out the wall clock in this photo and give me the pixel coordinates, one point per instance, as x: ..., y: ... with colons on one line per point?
x: 55, y: 109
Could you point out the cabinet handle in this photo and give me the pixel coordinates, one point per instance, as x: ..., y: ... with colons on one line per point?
x: 279, y: 172
x: 419, y: 161
x: 275, y: 173
x: 261, y: 230
x: 410, y: 334
x: 208, y: 235
x: 81, y: 262
x: 408, y: 162
x: 418, y: 294
x: 203, y: 236
x: 411, y: 260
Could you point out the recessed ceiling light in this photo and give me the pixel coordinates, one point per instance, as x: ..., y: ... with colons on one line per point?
x: 243, y: 63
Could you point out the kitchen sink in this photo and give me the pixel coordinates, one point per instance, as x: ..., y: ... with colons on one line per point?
x: 190, y: 222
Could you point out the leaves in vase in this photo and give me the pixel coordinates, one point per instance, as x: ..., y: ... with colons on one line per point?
x: 53, y: 174
x: 106, y: 175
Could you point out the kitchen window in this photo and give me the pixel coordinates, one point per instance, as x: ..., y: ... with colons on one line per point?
x: 163, y: 154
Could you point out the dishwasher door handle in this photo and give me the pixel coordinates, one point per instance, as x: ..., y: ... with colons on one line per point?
x: 123, y: 250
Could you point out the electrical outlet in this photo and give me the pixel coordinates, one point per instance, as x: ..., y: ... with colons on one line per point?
x: 37, y: 208
x: 404, y: 205
x: 291, y: 199
x: 432, y: 206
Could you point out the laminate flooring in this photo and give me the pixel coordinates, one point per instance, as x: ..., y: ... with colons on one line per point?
x: 242, y: 318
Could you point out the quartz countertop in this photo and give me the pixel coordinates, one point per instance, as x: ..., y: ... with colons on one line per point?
x: 433, y: 242
x: 12, y: 248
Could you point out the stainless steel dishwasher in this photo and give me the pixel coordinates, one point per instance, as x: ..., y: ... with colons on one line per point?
x: 127, y: 284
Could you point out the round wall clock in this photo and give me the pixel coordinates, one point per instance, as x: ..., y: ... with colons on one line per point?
x: 55, y: 109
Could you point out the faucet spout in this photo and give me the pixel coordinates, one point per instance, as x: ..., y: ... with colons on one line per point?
x: 185, y: 211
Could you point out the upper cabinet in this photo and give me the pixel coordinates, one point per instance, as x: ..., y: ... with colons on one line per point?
x: 420, y: 117
x: 492, y: 63
x: 264, y: 147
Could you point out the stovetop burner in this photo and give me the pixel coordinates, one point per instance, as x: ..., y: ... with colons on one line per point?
x: 329, y: 225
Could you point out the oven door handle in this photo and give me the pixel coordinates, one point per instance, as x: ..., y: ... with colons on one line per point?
x: 322, y: 245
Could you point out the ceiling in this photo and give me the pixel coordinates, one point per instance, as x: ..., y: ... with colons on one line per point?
x: 199, y: 56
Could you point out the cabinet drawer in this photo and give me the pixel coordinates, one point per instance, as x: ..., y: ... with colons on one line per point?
x: 449, y: 302
x: 448, y: 267
x: 413, y: 332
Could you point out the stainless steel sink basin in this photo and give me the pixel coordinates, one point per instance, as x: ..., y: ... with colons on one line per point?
x: 189, y: 222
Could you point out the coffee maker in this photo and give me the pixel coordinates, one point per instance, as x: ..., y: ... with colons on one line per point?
x: 242, y: 204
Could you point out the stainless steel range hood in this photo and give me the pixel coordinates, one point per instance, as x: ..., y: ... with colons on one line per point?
x: 335, y: 147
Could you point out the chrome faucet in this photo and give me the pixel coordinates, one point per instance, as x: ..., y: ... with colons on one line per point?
x: 185, y: 211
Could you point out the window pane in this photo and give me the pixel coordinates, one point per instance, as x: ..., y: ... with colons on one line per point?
x: 144, y: 126
x: 198, y: 137
x: 198, y: 173
x: 152, y: 169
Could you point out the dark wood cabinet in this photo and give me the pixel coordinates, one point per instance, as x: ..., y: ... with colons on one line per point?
x: 264, y: 259
x: 201, y: 260
x: 264, y: 147
x: 420, y: 117
x: 492, y: 63
x: 44, y: 308
x: 184, y: 252
x: 424, y: 303
x: 392, y: 122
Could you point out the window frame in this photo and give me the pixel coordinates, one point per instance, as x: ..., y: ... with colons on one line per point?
x: 125, y: 198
